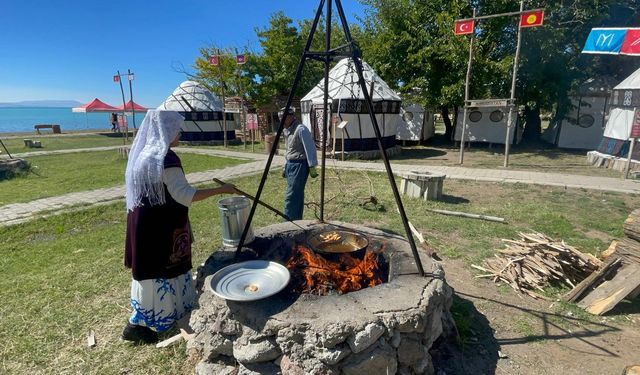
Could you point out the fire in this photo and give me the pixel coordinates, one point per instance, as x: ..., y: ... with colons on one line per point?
x: 315, y: 275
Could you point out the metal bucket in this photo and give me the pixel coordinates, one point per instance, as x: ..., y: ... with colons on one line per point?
x: 234, y: 212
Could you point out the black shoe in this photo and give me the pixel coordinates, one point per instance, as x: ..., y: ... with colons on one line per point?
x: 139, y: 334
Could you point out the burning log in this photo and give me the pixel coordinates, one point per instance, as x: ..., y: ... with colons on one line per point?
x: 535, y: 261
x: 315, y: 275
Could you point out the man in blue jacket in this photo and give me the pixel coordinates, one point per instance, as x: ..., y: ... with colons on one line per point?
x: 302, y: 160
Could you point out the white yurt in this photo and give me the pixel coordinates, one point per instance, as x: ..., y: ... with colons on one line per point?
x: 346, y: 103
x: 488, y: 124
x: 202, y: 111
x: 614, y: 147
x: 417, y: 123
x: 583, y: 125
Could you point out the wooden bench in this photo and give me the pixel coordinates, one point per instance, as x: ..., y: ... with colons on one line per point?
x: 54, y: 128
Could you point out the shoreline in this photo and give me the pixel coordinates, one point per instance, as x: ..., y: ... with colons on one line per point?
x: 47, y: 133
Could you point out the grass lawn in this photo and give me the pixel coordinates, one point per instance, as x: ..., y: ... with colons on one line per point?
x: 63, y: 275
x: 65, y: 142
x: 67, y: 173
x: 541, y: 159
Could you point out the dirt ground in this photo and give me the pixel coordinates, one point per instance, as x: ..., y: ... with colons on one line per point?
x: 505, y: 333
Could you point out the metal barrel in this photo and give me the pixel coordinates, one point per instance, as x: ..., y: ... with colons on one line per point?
x: 234, y: 212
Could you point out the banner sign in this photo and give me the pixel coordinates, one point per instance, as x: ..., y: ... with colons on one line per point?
x: 631, y: 43
x: 116, y: 78
x: 214, y: 60
x: 635, y: 127
x: 605, y: 40
x: 241, y: 59
x: 532, y: 19
x: 463, y: 27
x: 488, y: 103
x: 252, y: 121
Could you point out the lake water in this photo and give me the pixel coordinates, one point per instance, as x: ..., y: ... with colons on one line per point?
x: 22, y: 119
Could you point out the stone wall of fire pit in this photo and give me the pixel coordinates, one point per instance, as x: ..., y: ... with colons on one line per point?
x: 386, y: 329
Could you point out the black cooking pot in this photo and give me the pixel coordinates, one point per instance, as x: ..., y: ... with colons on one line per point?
x: 331, y: 244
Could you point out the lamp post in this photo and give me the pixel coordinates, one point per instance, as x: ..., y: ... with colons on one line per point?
x: 130, y: 77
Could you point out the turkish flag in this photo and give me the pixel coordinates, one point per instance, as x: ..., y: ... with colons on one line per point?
x: 531, y: 19
x: 463, y: 27
x: 213, y: 60
x: 631, y: 43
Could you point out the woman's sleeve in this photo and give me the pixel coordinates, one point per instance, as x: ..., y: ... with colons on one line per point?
x: 178, y: 186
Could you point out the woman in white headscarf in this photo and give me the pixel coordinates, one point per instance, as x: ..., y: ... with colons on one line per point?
x: 158, y: 242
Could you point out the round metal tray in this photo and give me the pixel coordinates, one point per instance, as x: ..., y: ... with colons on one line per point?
x: 249, y: 281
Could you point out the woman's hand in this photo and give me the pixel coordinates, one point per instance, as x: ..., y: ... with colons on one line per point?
x: 228, y: 189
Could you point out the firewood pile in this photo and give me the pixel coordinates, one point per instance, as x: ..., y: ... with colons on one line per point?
x: 618, y: 278
x: 535, y: 261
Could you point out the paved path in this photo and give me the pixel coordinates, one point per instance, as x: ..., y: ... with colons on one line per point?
x: 20, y: 212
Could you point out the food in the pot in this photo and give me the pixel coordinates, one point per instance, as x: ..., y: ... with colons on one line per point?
x: 331, y: 237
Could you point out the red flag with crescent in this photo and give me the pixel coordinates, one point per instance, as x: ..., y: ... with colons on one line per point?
x: 531, y: 19
x: 463, y: 27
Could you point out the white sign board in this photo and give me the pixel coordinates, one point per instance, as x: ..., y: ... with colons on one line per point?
x: 488, y: 103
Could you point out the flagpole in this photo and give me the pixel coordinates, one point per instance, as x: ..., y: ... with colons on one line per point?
x: 466, y: 92
x: 124, y: 108
x: 512, y: 102
x: 133, y: 109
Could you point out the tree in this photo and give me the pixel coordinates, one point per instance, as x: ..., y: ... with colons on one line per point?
x: 227, y: 74
x: 411, y: 44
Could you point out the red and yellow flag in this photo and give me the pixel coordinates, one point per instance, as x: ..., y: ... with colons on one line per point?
x: 531, y: 19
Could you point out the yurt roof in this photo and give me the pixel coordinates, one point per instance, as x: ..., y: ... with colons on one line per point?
x: 196, y: 95
x: 344, y: 84
x: 631, y: 82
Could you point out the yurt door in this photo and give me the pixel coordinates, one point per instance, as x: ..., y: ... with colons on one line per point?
x: 317, y: 119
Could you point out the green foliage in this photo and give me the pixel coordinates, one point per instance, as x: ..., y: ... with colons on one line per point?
x: 411, y: 45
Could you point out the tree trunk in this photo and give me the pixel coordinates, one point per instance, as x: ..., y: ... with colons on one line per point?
x: 448, y: 132
x: 533, y: 125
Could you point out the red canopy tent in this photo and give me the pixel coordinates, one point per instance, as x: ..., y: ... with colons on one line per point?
x: 96, y: 105
x: 131, y: 104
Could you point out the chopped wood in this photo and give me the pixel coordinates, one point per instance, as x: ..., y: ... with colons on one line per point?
x: 588, y: 284
x: 609, y: 293
x: 610, y: 250
x: 632, y: 225
x: 534, y: 261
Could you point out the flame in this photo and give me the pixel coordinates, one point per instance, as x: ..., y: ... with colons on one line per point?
x: 316, y: 275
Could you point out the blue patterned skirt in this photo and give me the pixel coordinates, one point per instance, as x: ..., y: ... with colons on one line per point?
x: 159, y: 303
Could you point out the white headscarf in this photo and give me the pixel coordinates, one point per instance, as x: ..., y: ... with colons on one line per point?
x: 143, y: 177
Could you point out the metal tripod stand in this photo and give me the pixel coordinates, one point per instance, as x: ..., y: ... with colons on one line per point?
x: 351, y: 50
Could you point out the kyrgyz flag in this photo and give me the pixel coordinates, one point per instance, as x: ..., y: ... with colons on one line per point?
x: 463, y: 27
x: 531, y: 19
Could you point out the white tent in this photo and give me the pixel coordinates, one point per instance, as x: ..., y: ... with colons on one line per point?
x: 202, y: 111
x: 615, y: 140
x: 346, y: 103
x: 417, y: 123
x: 488, y: 124
x: 583, y: 125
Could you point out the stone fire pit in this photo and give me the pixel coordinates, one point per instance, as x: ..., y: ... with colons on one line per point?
x: 386, y: 329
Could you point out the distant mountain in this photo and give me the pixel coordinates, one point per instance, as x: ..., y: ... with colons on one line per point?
x: 43, y: 103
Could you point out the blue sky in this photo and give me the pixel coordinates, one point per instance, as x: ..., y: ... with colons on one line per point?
x: 69, y: 49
